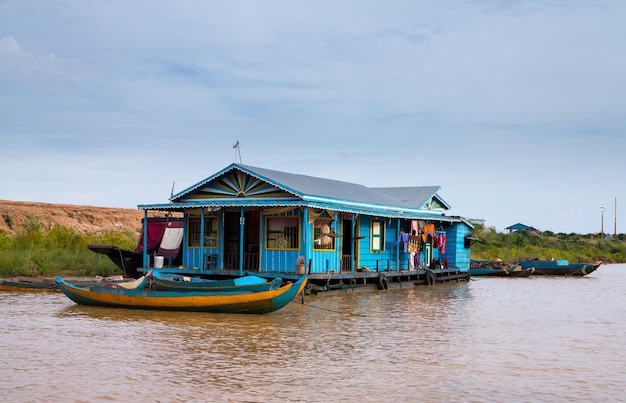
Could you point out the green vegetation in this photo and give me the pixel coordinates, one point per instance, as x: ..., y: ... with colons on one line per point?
x: 545, y: 246
x: 34, y: 251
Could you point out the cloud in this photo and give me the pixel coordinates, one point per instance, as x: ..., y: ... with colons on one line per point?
x: 19, y: 67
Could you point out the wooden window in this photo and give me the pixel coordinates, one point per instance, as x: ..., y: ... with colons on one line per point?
x: 321, y: 231
x: 377, y: 231
x: 211, y: 225
x: 282, y: 233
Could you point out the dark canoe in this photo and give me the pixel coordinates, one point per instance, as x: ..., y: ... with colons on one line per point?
x: 18, y: 284
x: 172, y: 282
x: 559, y: 267
x: 501, y: 272
x: 127, y: 260
x: 201, y: 301
x: 498, y: 268
x: 48, y: 284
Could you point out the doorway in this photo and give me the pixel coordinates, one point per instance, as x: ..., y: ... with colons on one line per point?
x: 232, y: 240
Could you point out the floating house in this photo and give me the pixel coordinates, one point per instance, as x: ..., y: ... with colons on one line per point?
x: 250, y: 220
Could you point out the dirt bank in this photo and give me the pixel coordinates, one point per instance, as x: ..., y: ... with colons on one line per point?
x: 16, y: 216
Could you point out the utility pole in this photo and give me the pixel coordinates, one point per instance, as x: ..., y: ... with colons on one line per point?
x: 602, y: 208
x: 615, y: 220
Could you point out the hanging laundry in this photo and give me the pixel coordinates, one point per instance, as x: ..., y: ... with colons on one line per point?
x: 415, y: 227
x: 429, y: 230
x: 414, y: 243
x: 442, y: 242
x: 404, y: 238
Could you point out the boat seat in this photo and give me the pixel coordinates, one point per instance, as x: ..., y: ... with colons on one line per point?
x: 210, y: 261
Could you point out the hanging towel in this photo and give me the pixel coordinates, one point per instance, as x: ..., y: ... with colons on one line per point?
x: 442, y: 243
x: 404, y: 237
x: 415, y: 227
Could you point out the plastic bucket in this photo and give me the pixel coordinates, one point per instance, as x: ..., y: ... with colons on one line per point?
x: 158, y: 262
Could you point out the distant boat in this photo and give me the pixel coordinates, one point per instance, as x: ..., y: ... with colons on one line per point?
x: 202, y: 301
x: 559, y: 267
x: 173, y: 282
x: 496, y: 268
x: 48, y: 284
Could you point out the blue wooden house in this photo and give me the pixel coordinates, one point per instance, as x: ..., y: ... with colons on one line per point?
x: 245, y: 219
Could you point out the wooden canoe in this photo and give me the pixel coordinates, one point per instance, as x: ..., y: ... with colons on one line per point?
x: 559, y: 267
x: 27, y: 284
x: 498, y: 268
x: 202, y: 301
x: 173, y: 282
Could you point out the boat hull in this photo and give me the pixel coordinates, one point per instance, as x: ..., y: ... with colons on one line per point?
x: 39, y: 284
x: 216, y: 302
x: 163, y: 282
x: 559, y: 267
x: 497, y: 272
x: 498, y: 268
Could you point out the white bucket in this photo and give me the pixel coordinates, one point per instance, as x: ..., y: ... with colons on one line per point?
x: 158, y: 262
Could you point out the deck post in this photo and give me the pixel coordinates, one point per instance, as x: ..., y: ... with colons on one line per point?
x: 398, y: 244
x: 202, y: 238
x: 242, y: 223
x: 306, y: 249
x: 353, y: 245
x: 146, y: 258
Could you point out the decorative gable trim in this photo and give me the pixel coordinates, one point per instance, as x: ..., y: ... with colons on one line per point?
x: 233, y: 182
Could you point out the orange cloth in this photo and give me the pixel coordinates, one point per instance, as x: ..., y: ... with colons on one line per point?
x: 428, y: 229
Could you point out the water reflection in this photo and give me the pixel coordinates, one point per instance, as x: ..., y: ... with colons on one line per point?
x: 497, y: 339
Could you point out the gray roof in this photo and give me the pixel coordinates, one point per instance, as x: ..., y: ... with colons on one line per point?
x: 304, y: 185
x: 406, y: 202
x: 413, y: 197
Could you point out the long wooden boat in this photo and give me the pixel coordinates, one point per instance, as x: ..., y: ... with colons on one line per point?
x: 497, y: 268
x: 501, y: 272
x: 203, y: 301
x: 173, y: 282
x: 559, y: 267
x: 23, y: 284
x: 20, y: 284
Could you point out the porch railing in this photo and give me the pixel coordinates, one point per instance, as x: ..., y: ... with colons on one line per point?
x: 250, y: 261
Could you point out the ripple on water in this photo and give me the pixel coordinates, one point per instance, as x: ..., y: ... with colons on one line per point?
x: 537, y: 339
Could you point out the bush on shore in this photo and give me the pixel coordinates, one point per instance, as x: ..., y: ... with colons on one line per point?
x: 546, y: 246
x: 35, y: 252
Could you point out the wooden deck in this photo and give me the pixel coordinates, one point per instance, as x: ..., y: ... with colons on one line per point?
x: 346, y: 281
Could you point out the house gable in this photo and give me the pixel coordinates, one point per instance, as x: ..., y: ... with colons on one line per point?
x: 232, y: 183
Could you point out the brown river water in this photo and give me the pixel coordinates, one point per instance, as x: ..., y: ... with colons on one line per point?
x: 537, y: 339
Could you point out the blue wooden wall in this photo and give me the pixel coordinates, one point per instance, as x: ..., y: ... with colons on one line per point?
x: 392, y: 257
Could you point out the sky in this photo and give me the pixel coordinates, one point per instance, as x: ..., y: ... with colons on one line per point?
x: 517, y: 109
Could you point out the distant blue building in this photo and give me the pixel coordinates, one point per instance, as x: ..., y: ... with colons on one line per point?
x: 521, y: 227
x: 246, y: 219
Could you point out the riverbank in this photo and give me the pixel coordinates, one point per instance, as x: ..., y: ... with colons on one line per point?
x: 44, y: 239
x: 490, y: 245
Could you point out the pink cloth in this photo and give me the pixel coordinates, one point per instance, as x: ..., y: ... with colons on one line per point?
x: 415, y: 227
x: 442, y: 243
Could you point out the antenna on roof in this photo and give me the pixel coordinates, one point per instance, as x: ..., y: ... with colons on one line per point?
x: 172, y: 191
x: 237, y: 145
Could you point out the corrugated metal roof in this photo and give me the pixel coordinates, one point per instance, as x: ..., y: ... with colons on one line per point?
x: 319, y: 193
x: 324, y: 188
x: 413, y: 197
